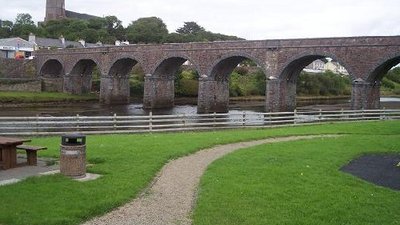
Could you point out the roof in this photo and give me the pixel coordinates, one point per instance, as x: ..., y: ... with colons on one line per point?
x: 82, y: 16
x: 50, y: 42
x: 16, y: 42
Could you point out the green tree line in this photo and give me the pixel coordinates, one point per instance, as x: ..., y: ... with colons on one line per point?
x: 109, y: 29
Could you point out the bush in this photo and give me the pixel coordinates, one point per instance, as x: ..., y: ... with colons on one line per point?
x: 241, y: 70
x: 394, y: 75
x: 251, y: 84
x: 188, y: 88
x: 324, y: 84
x: 136, y: 87
x: 388, y: 83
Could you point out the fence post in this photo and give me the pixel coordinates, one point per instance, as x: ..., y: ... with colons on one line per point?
x: 341, y: 115
x: 270, y: 118
x: 294, y: 116
x: 215, y: 119
x: 243, y: 118
x: 320, y: 115
x: 151, y: 121
x: 77, y: 122
x: 115, y: 121
x: 383, y: 115
x: 362, y: 113
x: 37, y: 123
x: 184, y: 119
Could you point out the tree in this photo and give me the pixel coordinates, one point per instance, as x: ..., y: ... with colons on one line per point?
x: 56, y: 28
x: 24, y: 19
x: 90, y: 35
x: 190, y: 28
x: 114, y: 27
x: 147, y: 30
x: 23, y: 25
x: 6, y: 27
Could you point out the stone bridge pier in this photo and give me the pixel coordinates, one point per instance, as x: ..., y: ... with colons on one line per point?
x: 159, y: 92
x: 77, y: 84
x: 213, y: 95
x: 365, y: 95
x: 114, y: 90
x: 280, y: 95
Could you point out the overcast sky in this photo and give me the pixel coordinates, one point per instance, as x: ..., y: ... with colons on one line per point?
x: 250, y: 19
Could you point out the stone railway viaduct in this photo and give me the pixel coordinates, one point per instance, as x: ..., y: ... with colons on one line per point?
x: 366, y: 59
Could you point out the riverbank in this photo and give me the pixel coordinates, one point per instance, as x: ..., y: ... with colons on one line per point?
x: 90, y: 105
x: 31, y: 99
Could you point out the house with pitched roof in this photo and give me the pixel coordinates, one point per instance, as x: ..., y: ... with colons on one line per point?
x: 60, y: 43
x: 16, y: 48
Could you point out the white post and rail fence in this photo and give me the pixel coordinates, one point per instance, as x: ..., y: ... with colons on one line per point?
x: 29, y: 126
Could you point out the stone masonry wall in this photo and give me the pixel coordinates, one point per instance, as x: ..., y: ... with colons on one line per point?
x: 27, y: 86
x: 359, y: 55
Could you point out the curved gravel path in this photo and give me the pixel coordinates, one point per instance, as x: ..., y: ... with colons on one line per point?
x: 171, y: 196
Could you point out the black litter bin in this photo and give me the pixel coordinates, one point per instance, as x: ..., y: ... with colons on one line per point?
x: 73, y: 155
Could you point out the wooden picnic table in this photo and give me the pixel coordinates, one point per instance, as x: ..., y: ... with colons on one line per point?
x: 8, y: 151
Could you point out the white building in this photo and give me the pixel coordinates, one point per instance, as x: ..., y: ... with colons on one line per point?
x: 323, y: 65
x: 12, y: 48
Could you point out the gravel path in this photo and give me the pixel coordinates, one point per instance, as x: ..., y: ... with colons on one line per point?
x: 171, y: 197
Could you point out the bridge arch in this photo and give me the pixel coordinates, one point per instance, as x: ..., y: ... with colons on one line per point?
x: 169, y: 65
x: 292, y: 68
x: 51, y: 74
x: 52, y: 68
x: 368, y: 92
x: 224, y: 66
x: 382, y: 67
x: 115, y: 86
x: 159, y: 90
x: 79, y: 79
x: 121, y: 67
x: 214, y: 90
x: 282, y: 89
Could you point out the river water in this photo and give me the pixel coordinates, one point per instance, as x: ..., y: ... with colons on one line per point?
x: 97, y: 109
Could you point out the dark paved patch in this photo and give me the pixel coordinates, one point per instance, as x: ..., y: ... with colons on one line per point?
x: 380, y: 169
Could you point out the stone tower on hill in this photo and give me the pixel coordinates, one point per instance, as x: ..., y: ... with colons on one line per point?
x: 55, y: 10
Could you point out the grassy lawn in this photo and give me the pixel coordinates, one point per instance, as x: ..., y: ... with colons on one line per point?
x: 298, y: 183
x: 32, y: 97
x: 129, y: 162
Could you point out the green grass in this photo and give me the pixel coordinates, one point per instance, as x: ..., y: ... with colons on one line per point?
x: 128, y: 163
x: 32, y: 97
x: 298, y: 183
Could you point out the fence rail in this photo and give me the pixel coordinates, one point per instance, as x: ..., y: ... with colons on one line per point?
x: 160, y: 123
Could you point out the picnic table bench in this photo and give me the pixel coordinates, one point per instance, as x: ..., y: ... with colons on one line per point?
x: 8, y: 152
x: 31, y: 153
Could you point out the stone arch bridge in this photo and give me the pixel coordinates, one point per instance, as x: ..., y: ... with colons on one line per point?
x: 366, y: 59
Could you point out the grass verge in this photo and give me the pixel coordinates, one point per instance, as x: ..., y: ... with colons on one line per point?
x: 33, y: 97
x: 298, y: 183
x: 128, y: 163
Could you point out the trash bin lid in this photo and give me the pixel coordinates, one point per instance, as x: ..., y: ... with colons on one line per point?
x: 73, y: 139
x: 73, y: 135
